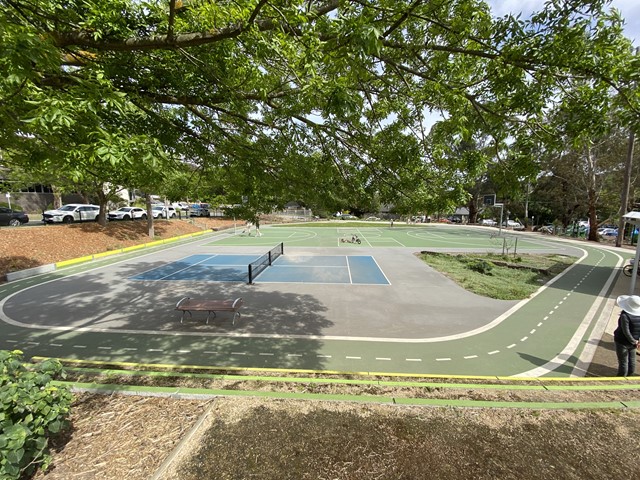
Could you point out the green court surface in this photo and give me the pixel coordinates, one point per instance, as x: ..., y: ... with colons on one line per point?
x: 448, y: 237
x: 418, y: 322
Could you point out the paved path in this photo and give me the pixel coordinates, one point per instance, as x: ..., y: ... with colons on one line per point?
x: 421, y: 323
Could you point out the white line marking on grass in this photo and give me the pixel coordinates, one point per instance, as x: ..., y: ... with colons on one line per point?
x: 545, y: 318
x: 512, y: 345
x: 539, y: 324
x: 523, y: 339
x: 532, y: 331
x: 11, y: 341
x: 266, y: 354
x: 105, y: 348
x: 79, y: 346
x: 238, y: 353
x: 129, y: 349
x: 446, y: 359
x: 323, y: 356
x: 353, y: 358
x: 33, y: 343
x: 294, y: 354
x: 413, y: 359
x: 469, y: 357
x: 383, y: 358
x: 55, y: 344
x: 494, y: 352
x: 156, y: 350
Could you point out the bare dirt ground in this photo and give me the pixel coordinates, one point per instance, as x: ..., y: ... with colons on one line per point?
x: 133, y: 437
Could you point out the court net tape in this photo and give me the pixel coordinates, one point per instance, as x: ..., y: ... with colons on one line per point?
x: 257, y: 266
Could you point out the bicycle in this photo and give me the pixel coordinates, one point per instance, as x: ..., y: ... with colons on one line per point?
x: 628, y: 269
x: 354, y: 239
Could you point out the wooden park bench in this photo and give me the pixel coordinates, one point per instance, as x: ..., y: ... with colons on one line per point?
x: 188, y: 305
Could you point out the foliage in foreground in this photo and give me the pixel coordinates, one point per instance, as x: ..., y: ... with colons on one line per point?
x: 31, y: 410
x: 497, y: 276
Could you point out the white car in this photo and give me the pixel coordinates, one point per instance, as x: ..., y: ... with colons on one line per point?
x: 489, y: 221
x: 73, y: 212
x: 513, y: 224
x: 160, y: 211
x: 128, y: 213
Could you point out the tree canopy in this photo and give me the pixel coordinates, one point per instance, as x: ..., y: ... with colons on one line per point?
x: 287, y: 100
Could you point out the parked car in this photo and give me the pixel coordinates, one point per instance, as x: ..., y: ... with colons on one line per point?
x: 161, y: 211
x: 199, y: 210
x: 489, y: 221
x: 183, y: 206
x: 608, y: 232
x: 513, y: 224
x: 13, y: 218
x: 373, y: 219
x: 73, y: 212
x: 128, y: 213
x: 348, y: 217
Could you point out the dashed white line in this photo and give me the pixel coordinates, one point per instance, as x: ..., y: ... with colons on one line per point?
x: 512, y: 345
x: 354, y: 358
x: 129, y: 349
x: 446, y: 359
x: 266, y: 354
x: 493, y: 352
x: 540, y: 324
x: 210, y: 352
x: 156, y: 350
x: 323, y: 356
x: 469, y: 357
x: 413, y: 359
x: 545, y: 318
x: 234, y: 353
x: 383, y: 358
x: 294, y: 354
x: 11, y: 341
x: 532, y: 331
x: 105, y: 348
x: 523, y: 339
x: 556, y: 307
x: 55, y: 344
x: 79, y: 346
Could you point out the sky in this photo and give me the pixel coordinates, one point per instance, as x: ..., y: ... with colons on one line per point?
x: 630, y: 10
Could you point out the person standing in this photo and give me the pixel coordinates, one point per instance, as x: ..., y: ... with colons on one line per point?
x: 627, y: 333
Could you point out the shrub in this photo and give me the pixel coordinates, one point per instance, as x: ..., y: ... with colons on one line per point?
x: 31, y: 410
x: 480, y: 266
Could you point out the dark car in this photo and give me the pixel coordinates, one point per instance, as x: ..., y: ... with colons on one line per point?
x: 13, y: 218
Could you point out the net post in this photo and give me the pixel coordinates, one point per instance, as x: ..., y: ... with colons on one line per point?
x: 250, y: 275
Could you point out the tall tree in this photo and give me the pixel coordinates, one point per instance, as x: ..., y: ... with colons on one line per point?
x: 350, y: 79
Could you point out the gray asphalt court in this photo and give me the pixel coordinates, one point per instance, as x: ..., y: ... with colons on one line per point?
x: 307, y: 292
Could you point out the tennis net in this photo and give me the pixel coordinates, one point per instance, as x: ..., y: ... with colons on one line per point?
x: 257, y: 266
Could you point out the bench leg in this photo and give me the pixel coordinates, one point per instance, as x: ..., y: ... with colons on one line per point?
x: 235, y: 314
x: 210, y: 313
x: 183, y: 312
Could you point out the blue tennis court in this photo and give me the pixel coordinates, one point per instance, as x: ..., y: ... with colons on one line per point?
x: 338, y: 269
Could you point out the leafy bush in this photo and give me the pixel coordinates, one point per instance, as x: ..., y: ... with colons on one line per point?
x: 31, y: 409
x: 481, y: 266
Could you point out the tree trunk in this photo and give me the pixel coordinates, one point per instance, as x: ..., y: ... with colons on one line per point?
x: 149, y: 217
x: 592, y: 195
x: 102, y: 202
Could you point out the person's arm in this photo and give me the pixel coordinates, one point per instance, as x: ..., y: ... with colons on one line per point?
x: 624, y: 326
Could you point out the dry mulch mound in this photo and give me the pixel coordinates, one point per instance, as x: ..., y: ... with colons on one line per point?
x: 27, y: 247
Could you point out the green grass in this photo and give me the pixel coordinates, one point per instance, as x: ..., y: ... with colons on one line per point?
x: 497, y: 276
